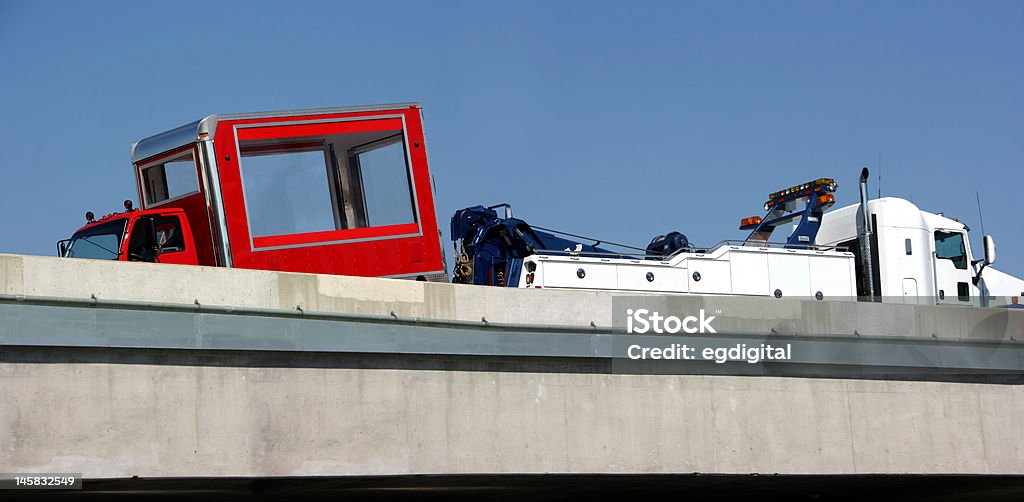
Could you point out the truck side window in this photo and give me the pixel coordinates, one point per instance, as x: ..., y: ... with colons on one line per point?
x: 385, y: 184
x: 168, y: 234
x: 287, y: 187
x: 950, y: 246
x: 137, y: 249
x: 170, y: 179
x: 168, y: 237
x: 327, y: 182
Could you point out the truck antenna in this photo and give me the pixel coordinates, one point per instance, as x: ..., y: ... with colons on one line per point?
x: 879, y: 175
x: 980, y: 217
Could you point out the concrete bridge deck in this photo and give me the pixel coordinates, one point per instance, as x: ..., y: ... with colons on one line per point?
x: 117, y: 370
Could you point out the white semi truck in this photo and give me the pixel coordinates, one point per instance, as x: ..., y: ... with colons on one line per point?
x: 893, y: 252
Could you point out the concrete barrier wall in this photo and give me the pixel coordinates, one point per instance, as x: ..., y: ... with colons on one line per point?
x: 171, y: 419
x: 76, y: 278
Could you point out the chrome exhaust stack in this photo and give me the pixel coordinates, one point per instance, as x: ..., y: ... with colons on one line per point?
x: 865, y: 237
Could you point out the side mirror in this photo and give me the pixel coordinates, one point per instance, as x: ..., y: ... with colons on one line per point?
x: 990, y: 250
x: 62, y: 248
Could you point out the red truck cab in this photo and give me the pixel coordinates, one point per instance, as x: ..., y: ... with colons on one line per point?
x: 159, y: 235
x: 343, y: 191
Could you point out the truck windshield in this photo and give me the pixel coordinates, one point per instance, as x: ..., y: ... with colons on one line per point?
x: 101, y: 242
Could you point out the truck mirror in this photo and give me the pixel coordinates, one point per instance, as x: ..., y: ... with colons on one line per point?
x: 62, y: 248
x: 990, y: 250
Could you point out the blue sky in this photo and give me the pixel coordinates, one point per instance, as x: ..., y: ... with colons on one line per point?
x: 619, y: 120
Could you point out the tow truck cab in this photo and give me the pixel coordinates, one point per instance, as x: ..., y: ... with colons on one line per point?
x: 919, y: 257
x: 343, y: 191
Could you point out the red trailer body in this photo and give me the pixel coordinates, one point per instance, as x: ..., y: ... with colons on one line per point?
x: 342, y: 191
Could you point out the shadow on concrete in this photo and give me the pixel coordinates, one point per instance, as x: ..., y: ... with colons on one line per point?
x: 554, y: 487
x: 334, y: 360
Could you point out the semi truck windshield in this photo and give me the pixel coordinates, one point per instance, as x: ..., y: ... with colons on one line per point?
x: 101, y: 242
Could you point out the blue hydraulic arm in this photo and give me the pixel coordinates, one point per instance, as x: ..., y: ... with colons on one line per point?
x: 781, y: 209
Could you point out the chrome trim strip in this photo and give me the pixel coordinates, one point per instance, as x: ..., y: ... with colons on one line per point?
x: 433, y: 193
x: 241, y: 181
x: 222, y: 242
x: 315, y: 121
x: 203, y: 176
x: 164, y: 142
x: 408, y: 170
x: 138, y: 185
x: 172, y: 199
x: 413, y: 276
x: 189, y: 133
x: 327, y: 243
x: 411, y: 177
x: 320, y: 111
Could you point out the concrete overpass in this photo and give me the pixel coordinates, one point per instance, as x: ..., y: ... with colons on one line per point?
x: 154, y: 377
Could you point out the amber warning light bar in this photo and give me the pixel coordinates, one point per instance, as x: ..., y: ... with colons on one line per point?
x: 818, y: 186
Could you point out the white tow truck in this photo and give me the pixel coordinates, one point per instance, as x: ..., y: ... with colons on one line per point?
x: 894, y: 252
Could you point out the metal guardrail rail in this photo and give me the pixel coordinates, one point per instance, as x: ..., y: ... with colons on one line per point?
x: 98, y: 323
